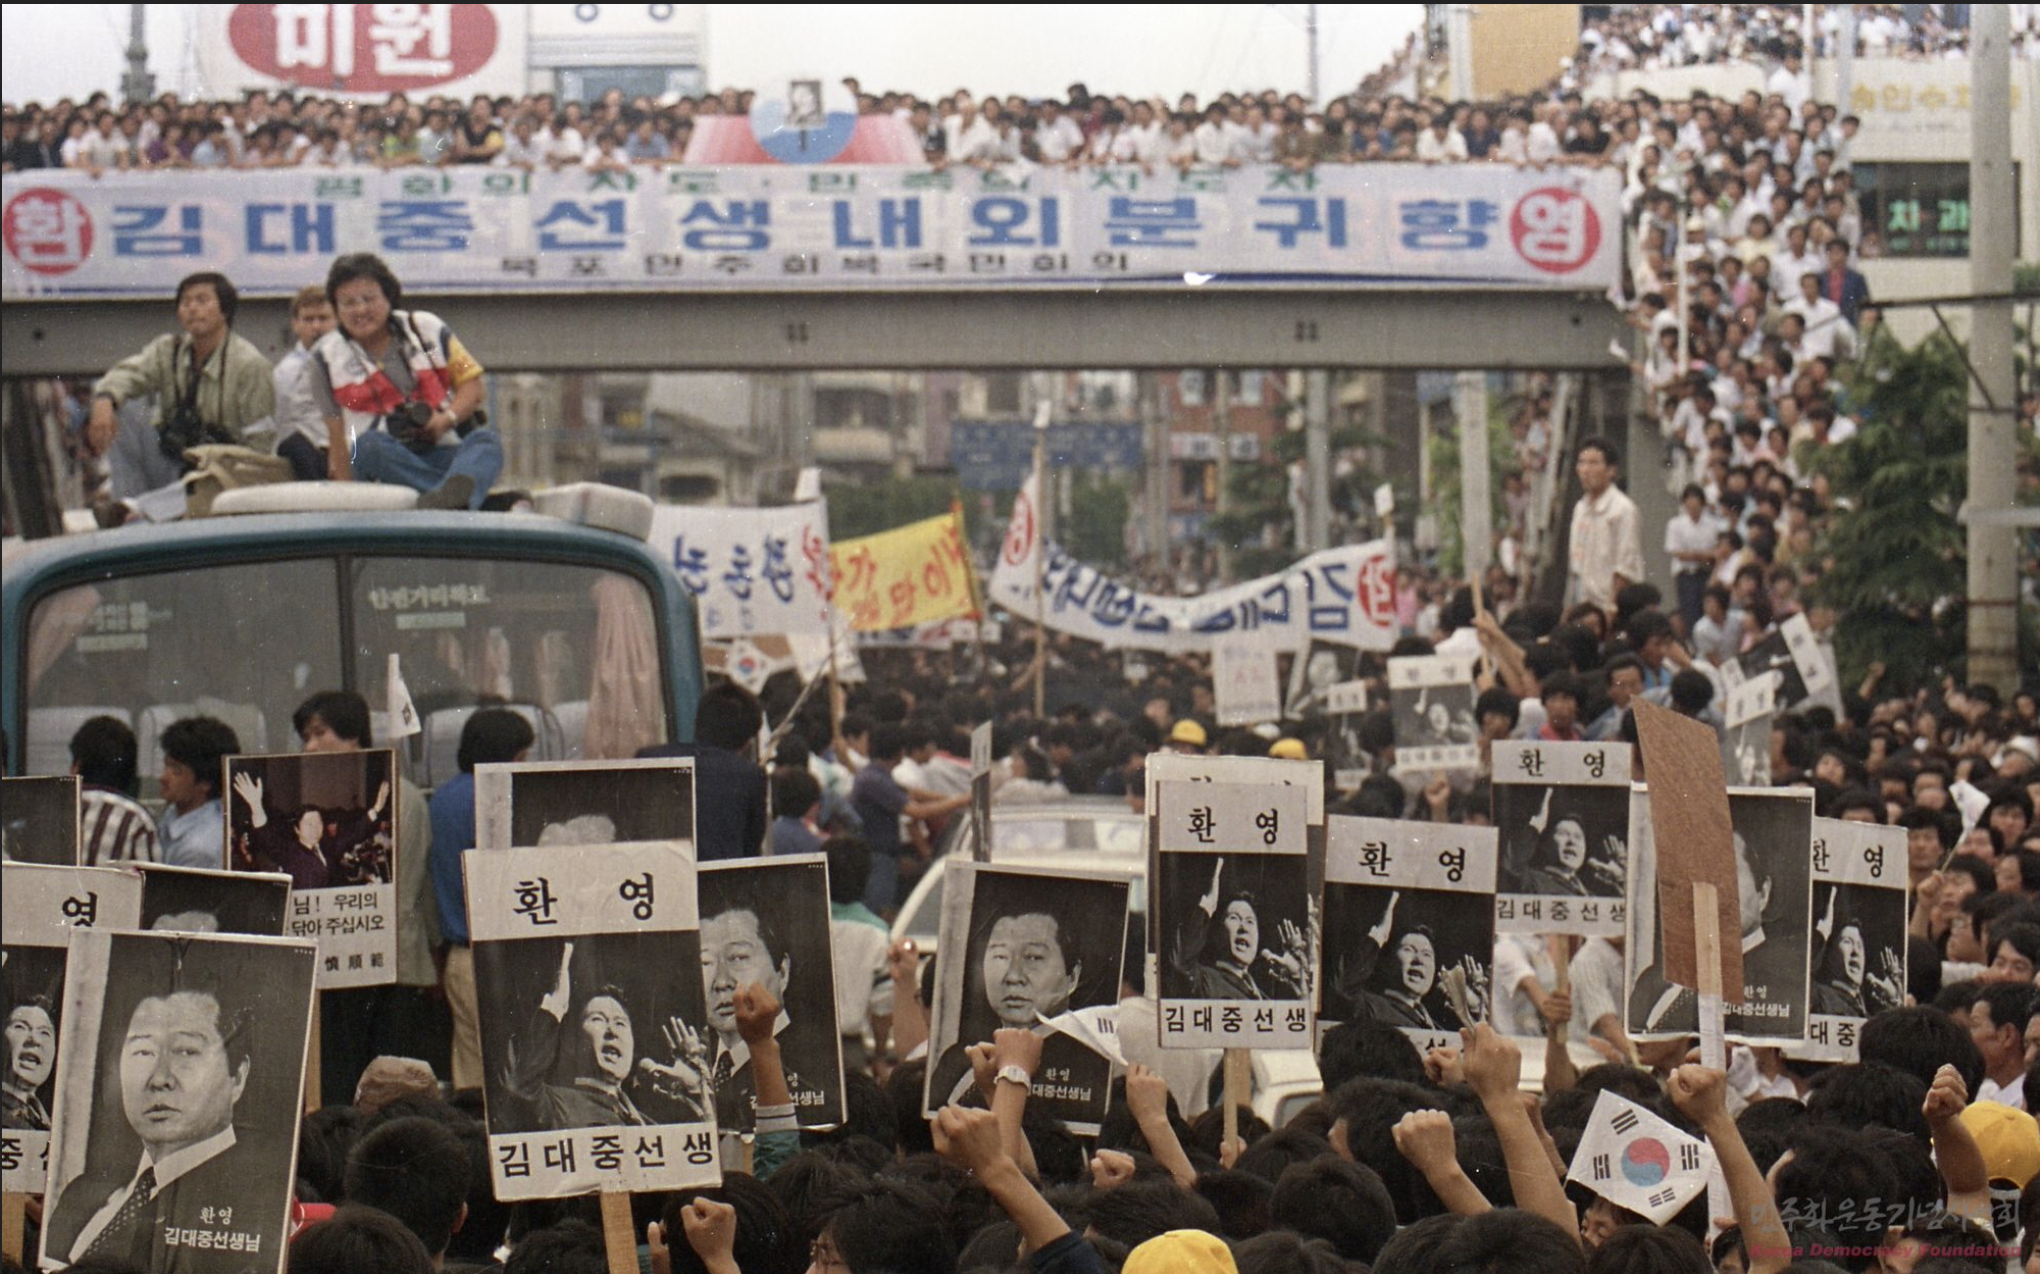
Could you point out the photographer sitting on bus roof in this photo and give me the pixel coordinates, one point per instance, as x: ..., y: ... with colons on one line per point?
x: 209, y: 386
x: 399, y: 388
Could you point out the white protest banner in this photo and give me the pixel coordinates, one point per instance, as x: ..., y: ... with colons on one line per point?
x: 597, y: 1057
x: 230, y: 1018
x: 1637, y: 1161
x: 1431, y: 697
x: 1244, y: 685
x: 402, y: 713
x: 1229, y: 916
x: 528, y: 804
x: 1404, y: 903
x: 1344, y: 596
x: 464, y: 229
x: 1859, y: 932
x: 1562, y: 812
x: 1032, y: 946
x: 750, y: 571
x: 1805, y: 666
x: 328, y: 820
x: 766, y: 920
x: 44, y: 904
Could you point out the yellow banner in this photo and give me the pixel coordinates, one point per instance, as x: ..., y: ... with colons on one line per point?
x: 914, y: 574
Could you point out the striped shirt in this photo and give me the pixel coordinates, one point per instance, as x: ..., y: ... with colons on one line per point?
x: 113, y: 828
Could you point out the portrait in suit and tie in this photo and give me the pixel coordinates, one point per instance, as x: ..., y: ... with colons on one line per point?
x: 175, y: 1138
x: 767, y: 921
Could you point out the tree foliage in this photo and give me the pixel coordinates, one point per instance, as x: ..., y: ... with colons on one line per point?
x: 1895, y: 557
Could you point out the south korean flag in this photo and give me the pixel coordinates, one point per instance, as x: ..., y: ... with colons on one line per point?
x: 1637, y: 1161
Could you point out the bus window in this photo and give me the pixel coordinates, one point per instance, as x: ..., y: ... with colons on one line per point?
x: 244, y: 643
x: 573, y: 648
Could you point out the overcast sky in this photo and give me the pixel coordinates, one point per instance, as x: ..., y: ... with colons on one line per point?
x: 48, y: 51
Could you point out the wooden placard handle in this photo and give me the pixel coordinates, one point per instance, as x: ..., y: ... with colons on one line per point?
x: 619, y: 1233
x: 1239, y: 1083
x: 13, y: 1225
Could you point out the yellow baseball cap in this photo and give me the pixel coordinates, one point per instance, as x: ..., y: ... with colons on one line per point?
x: 2009, y: 1140
x: 1188, y: 731
x: 1181, y: 1252
x: 1289, y: 750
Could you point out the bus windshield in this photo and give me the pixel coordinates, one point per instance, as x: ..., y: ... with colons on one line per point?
x: 575, y: 648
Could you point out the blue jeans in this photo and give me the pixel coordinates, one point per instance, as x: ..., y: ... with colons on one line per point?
x: 378, y: 457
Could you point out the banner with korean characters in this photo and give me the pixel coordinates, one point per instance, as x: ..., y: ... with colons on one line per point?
x: 1409, y: 919
x: 463, y: 229
x: 912, y: 574
x: 1431, y: 698
x: 1229, y: 915
x: 327, y: 820
x: 1859, y: 934
x: 1805, y: 666
x: 1343, y: 596
x: 44, y: 905
x: 1561, y: 811
x: 751, y: 572
x: 596, y: 1040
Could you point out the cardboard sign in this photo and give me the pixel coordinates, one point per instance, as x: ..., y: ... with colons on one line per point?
x: 192, y: 900
x: 1432, y: 699
x: 1562, y: 813
x: 1694, y: 842
x: 329, y: 821
x: 766, y: 920
x: 1746, y: 742
x: 39, y: 820
x: 1860, y: 894
x: 1038, y: 950
x: 1230, y: 915
x: 599, y: 1061
x: 44, y: 905
x: 1245, y: 688
x: 531, y: 804
x: 1405, y: 903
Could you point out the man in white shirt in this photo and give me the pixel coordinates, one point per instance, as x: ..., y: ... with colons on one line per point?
x: 1788, y: 266
x: 1056, y: 136
x: 1441, y: 143
x: 1214, y: 140
x: 300, y: 423
x: 1607, y: 551
x: 1541, y: 145
x: 1997, y: 1022
x: 1690, y: 538
x: 1790, y: 81
x: 1826, y: 330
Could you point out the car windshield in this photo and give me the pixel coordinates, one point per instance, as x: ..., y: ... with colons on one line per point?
x: 574, y: 648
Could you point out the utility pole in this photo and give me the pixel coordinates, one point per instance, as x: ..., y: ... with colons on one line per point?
x: 1310, y: 29
x: 1317, y: 461
x: 1221, y: 428
x: 1845, y: 57
x: 1476, y: 512
x: 1459, y: 50
x: 1155, y: 427
x: 137, y: 85
x: 1993, y: 567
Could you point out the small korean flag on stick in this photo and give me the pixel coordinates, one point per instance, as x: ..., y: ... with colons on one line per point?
x: 403, y: 715
x: 1637, y: 1161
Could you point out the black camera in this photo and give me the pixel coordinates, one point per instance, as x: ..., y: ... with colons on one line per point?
x: 184, y: 429
x: 407, y: 424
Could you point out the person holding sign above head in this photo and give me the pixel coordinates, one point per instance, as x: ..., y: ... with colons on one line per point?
x: 1227, y: 925
x: 578, y: 1075
x: 1028, y: 972
x: 185, y: 1061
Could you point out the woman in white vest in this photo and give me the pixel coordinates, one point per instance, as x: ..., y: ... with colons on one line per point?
x: 400, y: 393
